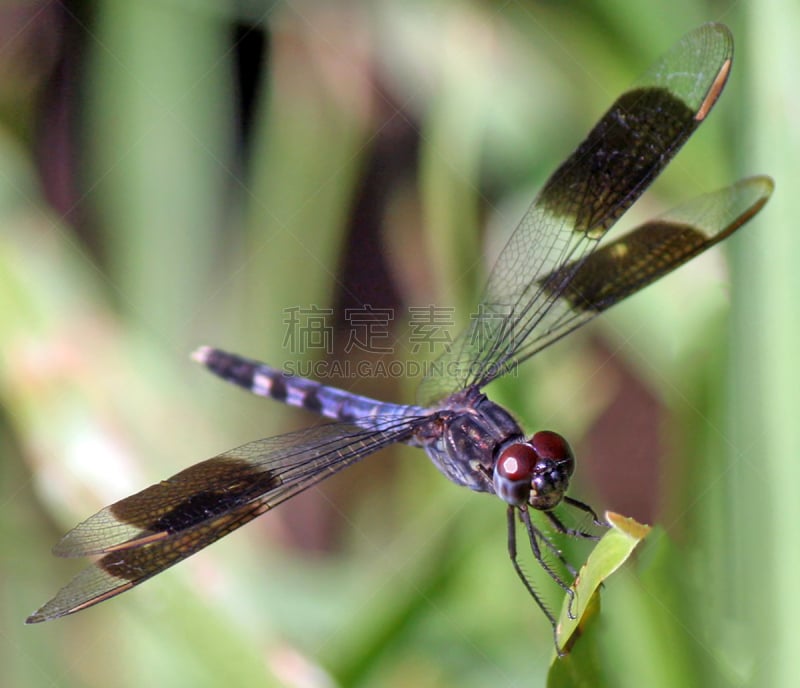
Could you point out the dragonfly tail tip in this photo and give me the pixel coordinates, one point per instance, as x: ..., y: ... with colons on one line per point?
x: 201, y: 354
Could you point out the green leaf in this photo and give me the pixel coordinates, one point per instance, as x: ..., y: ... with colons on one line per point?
x: 610, y: 553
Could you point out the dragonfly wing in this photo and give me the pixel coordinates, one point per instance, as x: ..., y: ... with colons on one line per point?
x: 148, y: 532
x: 620, y: 157
x: 642, y: 256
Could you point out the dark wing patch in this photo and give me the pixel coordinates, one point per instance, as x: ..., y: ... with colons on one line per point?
x: 623, y: 152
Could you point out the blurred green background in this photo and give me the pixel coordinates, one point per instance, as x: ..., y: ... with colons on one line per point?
x: 181, y: 172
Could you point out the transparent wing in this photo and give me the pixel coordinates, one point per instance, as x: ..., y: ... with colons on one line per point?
x: 620, y: 157
x: 150, y: 531
x: 642, y: 256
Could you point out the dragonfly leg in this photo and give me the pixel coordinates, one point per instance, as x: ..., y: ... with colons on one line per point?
x: 586, y: 508
x: 534, y: 535
x: 558, y: 524
x: 557, y: 553
x: 512, y: 553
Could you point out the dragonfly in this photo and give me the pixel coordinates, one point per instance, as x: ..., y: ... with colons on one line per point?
x: 553, y: 276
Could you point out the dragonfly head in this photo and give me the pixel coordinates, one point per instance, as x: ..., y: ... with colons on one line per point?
x: 536, y: 472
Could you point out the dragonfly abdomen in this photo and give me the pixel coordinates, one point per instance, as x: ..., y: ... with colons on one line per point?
x: 331, y: 402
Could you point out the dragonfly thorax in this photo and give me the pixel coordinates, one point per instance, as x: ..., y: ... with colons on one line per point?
x: 535, y: 472
x: 465, y: 436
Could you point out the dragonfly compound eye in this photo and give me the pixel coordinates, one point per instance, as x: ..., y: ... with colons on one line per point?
x: 554, y: 466
x: 551, y: 445
x: 513, y: 472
